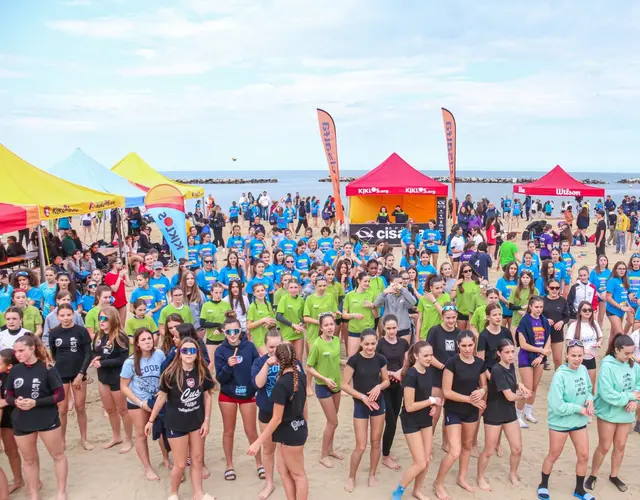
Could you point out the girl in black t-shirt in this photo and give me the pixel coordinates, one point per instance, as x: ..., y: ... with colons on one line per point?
x: 7, y: 362
x: 110, y: 351
x: 500, y: 414
x: 394, y: 349
x: 35, y: 388
x: 70, y: 346
x: 491, y: 336
x: 368, y: 372
x: 185, y: 387
x: 416, y: 417
x: 288, y: 424
x: 464, y: 386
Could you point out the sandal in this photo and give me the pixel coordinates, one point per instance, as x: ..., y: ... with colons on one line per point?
x: 543, y: 494
x: 229, y: 475
x: 586, y: 496
x: 261, y: 473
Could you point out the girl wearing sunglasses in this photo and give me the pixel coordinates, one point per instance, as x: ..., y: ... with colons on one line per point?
x: 185, y: 387
x: 569, y: 411
x: 70, y: 346
x: 233, y: 361
x: 556, y: 310
x: 139, y: 380
x: 110, y: 350
x: 586, y: 330
x: 89, y: 297
x: 534, y: 338
x: 102, y: 298
x: 616, y: 402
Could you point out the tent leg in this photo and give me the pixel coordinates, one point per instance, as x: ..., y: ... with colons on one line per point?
x: 41, y: 252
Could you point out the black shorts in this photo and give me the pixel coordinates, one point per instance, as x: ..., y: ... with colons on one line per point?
x: 557, y: 336
x: 412, y: 427
x: 69, y: 380
x: 264, y: 416
x: 131, y: 406
x: 292, y: 433
x: 213, y: 342
x: 463, y: 317
x: 55, y: 425
x: 571, y: 430
x: 499, y: 422
x: 453, y: 418
x: 112, y: 387
x: 173, y: 434
x: 404, y: 333
x: 589, y: 364
x: 233, y: 220
x: 5, y: 421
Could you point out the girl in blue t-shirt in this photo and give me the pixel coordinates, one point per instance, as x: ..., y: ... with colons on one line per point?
x: 618, y: 297
x: 193, y: 253
x: 633, y: 273
x: 302, y: 259
x: 48, y: 289
x: 528, y: 265
x: 431, y: 239
x: 410, y: 257
x: 208, y: 249
x: 64, y: 284
x: 232, y: 271
x: 561, y: 273
x: 505, y: 285
x: 598, y: 277
x: 424, y: 268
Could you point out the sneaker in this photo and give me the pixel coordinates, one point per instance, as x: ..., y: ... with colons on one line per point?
x: 547, y: 366
x: 531, y: 418
x: 523, y: 424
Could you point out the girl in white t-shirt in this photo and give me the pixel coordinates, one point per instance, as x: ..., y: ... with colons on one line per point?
x: 587, y: 330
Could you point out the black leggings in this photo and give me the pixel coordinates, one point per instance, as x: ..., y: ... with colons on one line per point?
x: 393, y: 403
x: 302, y: 223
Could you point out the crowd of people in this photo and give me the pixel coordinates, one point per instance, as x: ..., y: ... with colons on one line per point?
x: 276, y: 318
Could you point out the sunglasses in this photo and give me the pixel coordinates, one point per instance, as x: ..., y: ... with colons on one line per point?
x: 188, y: 350
x: 288, y: 262
x: 22, y: 274
x: 103, y: 318
x: 554, y: 288
x: 465, y: 271
x: 208, y: 261
x: 587, y: 310
x: 575, y: 342
x: 92, y: 286
x: 233, y: 331
x: 449, y: 308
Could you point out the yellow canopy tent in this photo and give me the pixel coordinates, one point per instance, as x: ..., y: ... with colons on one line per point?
x: 24, y: 185
x: 140, y: 173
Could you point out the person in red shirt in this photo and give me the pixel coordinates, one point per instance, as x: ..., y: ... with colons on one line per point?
x: 117, y: 280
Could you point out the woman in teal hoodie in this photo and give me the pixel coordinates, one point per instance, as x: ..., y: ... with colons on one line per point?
x: 570, y: 406
x: 617, y: 394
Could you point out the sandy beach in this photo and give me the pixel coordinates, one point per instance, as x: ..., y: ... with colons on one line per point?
x: 101, y: 474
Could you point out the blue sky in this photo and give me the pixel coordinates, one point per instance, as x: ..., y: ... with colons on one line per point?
x: 188, y: 84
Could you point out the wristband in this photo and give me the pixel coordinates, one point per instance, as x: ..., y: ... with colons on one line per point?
x: 432, y: 399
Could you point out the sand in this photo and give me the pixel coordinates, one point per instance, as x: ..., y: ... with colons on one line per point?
x: 101, y: 474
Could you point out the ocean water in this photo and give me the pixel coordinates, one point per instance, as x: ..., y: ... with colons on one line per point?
x: 306, y: 183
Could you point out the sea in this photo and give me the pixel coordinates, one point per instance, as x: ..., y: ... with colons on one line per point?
x: 306, y: 182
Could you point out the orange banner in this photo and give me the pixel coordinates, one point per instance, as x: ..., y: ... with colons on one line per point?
x: 330, y: 144
x: 450, y: 135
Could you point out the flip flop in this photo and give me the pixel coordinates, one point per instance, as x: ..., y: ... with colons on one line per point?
x: 543, y: 494
x: 230, y: 475
x: 261, y: 473
x: 586, y: 496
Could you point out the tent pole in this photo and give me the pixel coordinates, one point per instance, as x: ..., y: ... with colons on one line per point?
x: 41, y: 252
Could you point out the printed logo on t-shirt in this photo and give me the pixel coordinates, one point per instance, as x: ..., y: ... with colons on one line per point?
x: 239, y: 358
x: 538, y: 333
x: 191, y: 383
x: 73, y: 344
x: 58, y: 342
x: 35, y: 388
x: 449, y: 345
x: 17, y: 383
x: 297, y: 424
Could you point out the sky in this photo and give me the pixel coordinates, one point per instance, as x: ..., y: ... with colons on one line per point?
x: 189, y: 84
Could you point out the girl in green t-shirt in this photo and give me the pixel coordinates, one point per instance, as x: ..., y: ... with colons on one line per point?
x: 289, y: 316
x: 358, y: 308
x: 31, y: 317
x: 212, y: 317
x: 478, y: 321
x: 431, y: 304
x: 285, y: 278
x: 467, y: 288
x: 140, y: 320
x: 260, y: 318
x: 323, y: 364
x: 519, y: 299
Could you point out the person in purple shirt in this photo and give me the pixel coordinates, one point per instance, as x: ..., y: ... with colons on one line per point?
x: 546, y: 243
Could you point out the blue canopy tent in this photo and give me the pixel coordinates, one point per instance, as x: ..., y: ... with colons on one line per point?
x: 83, y: 170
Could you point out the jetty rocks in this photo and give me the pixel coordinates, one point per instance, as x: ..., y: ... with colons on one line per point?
x: 228, y: 180
x: 491, y: 180
x: 632, y: 180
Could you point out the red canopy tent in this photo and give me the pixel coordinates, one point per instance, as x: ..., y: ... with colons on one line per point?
x: 14, y: 217
x: 557, y: 182
x: 395, y: 176
x: 394, y: 182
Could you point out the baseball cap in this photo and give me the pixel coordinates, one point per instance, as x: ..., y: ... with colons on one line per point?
x: 157, y: 265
